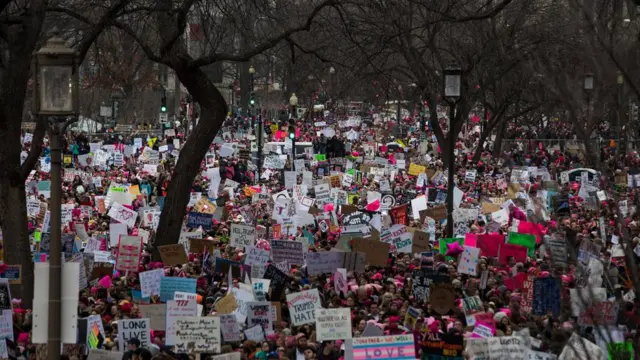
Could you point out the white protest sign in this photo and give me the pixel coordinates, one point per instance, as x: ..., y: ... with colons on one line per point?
x: 100, y: 354
x: 302, y: 306
x: 197, y: 334
x: 123, y: 215
x: 333, y: 324
x: 242, y: 235
x: 256, y: 256
x: 150, y: 282
x: 230, y: 328
x: 259, y: 313
x: 134, y: 329
x: 507, y: 347
x: 177, y: 309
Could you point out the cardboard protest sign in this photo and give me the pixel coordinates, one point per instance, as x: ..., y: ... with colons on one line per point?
x: 333, y: 324
x: 173, y: 254
x: 227, y: 304
x: 442, y: 298
x: 377, y: 252
x: 134, y: 329
x: 157, y: 315
x: 197, y: 246
x: 302, y: 306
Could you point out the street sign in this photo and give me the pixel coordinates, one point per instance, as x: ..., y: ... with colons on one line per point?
x: 164, y: 117
x: 106, y: 111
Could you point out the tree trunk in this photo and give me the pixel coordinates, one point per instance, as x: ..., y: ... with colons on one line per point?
x: 214, y: 110
x: 497, y: 145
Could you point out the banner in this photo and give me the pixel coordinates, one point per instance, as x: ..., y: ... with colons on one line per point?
x: 546, y: 296
x: 384, y: 347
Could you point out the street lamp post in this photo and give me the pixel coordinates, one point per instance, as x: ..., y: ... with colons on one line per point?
x: 252, y: 101
x: 588, y: 88
x: 452, y: 94
x: 620, y: 82
x: 55, y: 96
x: 293, y: 101
x: 231, y: 91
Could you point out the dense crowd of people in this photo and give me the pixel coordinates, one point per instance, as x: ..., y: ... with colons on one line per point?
x: 543, y: 245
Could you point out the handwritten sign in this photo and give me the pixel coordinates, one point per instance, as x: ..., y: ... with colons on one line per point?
x: 242, y: 235
x: 175, y: 310
x: 129, y: 249
x: 602, y: 313
x: 196, y: 220
x: 173, y: 254
x: 333, y: 324
x: 230, y: 329
x: 121, y: 214
x: 259, y: 313
x: 197, y: 334
x: 302, y: 306
x: 150, y: 282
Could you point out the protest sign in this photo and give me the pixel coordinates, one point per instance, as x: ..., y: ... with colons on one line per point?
x: 506, y: 251
x: 100, y: 354
x: 134, y: 329
x: 442, y: 298
x: 384, y: 347
x: 376, y: 252
x: 173, y: 254
x: 197, y: 334
x: 226, y: 305
x: 259, y: 313
x: 469, y: 261
x: 302, y: 306
x: 260, y: 288
x: 197, y: 219
x: 289, y: 251
x: 175, y: 310
x: 242, y: 298
x: 442, y: 345
x: 546, y: 296
x: 470, y: 306
x: 157, y: 315
x: 558, y: 250
x: 580, y: 348
x: 123, y: 215
x: 526, y: 299
x: 489, y: 244
x: 242, y: 235
x: 620, y: 350
x: 129, y: 250
x: 526, y: 240
x: 602, y: 313
x: 230, y: 329
x: 150, y: 282
x: 255, y: 333
x: 169, y: 285
x: 507, y: 347
x: 256, y: 256
x: 333, y: 324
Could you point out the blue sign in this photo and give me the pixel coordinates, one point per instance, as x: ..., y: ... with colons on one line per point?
x: 137, y: 296
x: 196, y: 219
x: 169, y: 285
x: 13, y: 273
x: 546, y: 296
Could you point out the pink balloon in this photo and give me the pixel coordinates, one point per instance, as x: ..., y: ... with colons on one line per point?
x: 105, y: 282
x: 328, y: 207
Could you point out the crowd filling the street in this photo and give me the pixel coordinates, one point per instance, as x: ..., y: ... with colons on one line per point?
x: 334, y: 245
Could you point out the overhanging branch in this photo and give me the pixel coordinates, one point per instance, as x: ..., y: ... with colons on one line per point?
x: 269, y: 43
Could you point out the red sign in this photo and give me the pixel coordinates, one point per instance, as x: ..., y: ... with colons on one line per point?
x: 600, y: 313
x: 489, y: 244
x: 519, y: 253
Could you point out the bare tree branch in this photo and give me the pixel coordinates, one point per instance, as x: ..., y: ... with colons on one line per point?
x: 36, y: 148
x: 181, y: 25
x: 267, y: 44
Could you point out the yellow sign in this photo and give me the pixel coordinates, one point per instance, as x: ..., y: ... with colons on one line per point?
x: 68, y: 159
x: 415, y: 169
x: 274, y: 128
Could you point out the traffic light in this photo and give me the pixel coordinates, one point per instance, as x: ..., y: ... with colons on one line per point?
x: 292, y: 132
x: 163, y: 104
x: 252, y: 99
